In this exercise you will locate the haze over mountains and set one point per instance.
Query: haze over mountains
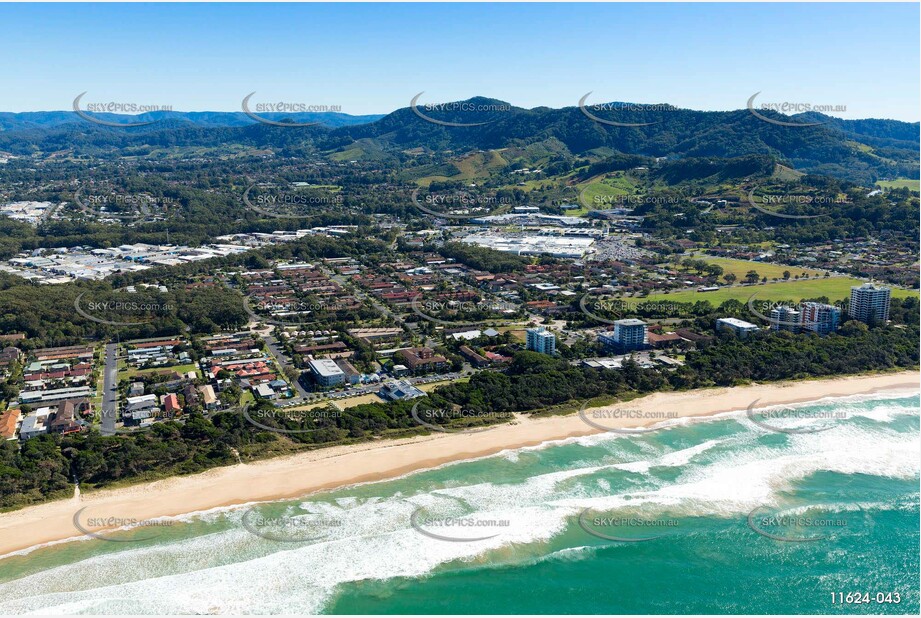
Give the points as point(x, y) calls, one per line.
point(860, 150)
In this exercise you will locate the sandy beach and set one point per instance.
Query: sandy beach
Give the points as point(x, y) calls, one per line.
point(301, 474)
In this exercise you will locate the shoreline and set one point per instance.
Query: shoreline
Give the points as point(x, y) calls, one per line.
point(328, 468)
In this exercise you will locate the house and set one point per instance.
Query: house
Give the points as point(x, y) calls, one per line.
point(171, 404)
point(65, 419)
point(141, 407)
point(264, 391)
point(9, 355)
point(34, 424)
point(9, 422)
point(190, 395)
point(209, 399)
point(140, 402)
point(136, 389)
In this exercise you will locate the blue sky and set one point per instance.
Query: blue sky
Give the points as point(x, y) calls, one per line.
point(372, 58)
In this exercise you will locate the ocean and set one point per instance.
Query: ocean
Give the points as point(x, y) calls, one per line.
point(809, 509)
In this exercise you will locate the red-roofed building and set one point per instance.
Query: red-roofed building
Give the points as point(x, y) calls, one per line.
point(171, 404)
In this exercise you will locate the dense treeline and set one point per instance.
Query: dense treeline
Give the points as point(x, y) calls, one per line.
point(49, 317)
point(532, 382)
point(668, 131)
point(484, 258)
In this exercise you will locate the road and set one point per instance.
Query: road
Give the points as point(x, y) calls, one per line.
point(282, 360)
point(109, 393)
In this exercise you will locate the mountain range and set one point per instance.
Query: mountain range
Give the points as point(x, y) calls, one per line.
point(859, 150)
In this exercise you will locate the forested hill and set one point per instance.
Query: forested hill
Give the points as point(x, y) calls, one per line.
point(863, 150)
point(24, 121)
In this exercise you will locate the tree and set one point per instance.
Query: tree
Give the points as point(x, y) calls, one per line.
point(786, 275)
point(752, 276)
point(730, 278)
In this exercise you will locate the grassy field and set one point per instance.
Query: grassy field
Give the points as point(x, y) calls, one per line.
point(764, 269)
point(603, 194)
point(130, 373)
point(428, 388)
point(898, 183)
point(474, 167)
point(835, 288)
point(782, 172)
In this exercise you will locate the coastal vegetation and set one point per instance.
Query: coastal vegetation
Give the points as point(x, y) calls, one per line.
point(45, 467)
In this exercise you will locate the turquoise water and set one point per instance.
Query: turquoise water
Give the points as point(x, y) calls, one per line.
point(715, 516)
